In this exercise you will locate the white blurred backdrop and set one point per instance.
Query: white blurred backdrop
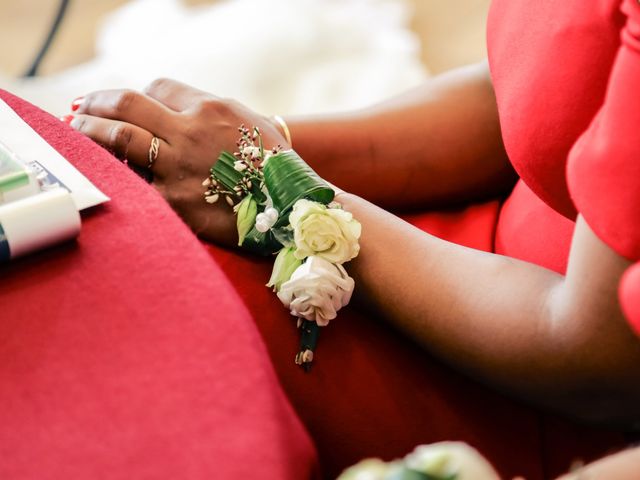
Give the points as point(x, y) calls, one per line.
point(277, 56)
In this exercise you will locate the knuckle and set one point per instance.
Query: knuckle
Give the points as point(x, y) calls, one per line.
point(210, 113)
point(231, 103)
point(158, 85)
point(120, 137)
point(213, 107)
point(124, 100)
point(79, 123)
point(86, 105)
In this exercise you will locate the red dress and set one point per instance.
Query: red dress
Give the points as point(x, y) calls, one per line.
point(132, 355)
point(566, 76)
point(563, 72)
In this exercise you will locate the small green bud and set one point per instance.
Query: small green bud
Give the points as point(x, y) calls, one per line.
point(286, 263)
point(247, 211)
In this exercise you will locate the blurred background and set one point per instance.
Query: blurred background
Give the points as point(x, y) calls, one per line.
point(278, 56)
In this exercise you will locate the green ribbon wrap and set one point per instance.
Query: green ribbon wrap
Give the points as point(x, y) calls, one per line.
point(289, 179)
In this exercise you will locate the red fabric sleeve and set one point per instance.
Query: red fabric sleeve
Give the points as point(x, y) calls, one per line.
point(604, 165)
point(603, 171)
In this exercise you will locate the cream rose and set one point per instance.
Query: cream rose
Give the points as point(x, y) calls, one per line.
point(317, 290)
point(330, 233)
point(444, 460)
point(450, 459)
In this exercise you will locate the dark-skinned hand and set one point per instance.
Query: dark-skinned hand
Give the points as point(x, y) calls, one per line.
point(193, 128)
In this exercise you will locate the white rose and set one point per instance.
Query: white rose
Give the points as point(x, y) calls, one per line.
point(325, 232)
point(317, 290)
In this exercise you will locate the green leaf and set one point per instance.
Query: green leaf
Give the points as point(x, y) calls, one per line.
point(224, 172)
point(289, 179)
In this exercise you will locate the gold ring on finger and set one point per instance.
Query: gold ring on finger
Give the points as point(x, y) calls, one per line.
point(153, 151)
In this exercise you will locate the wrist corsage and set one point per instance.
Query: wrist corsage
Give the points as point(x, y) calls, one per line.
point(284, 208)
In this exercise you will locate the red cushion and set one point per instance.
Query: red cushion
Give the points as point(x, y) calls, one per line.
point(128, 354)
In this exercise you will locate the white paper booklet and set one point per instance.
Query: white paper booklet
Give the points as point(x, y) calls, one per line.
point(41, 193)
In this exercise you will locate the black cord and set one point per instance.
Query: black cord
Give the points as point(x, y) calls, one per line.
point(33, 70)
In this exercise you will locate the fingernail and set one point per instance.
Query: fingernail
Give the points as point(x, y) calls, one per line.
point(66, 119)
point(75, 105)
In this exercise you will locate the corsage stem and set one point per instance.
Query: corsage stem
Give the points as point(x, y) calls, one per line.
point(310, 332)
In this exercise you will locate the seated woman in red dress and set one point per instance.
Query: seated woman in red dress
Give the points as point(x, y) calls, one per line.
point(551, 123)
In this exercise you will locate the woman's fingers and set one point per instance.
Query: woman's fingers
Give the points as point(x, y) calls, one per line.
point(131, 107)
point(127, 141)
point(174, 95)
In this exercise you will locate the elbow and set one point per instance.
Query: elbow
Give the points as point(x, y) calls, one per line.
point(598, 362)
point(602, 380)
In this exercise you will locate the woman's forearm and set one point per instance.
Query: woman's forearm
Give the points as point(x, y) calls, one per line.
point(439, 144)
point(558, 341)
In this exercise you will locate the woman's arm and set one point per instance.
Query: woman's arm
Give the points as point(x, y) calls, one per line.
point(439, 144)
point(561, 342)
